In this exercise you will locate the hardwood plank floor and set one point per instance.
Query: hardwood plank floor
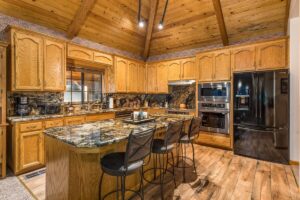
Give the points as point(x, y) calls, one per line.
point(220, 175)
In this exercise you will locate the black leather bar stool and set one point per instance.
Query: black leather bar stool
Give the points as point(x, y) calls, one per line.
point(185, 139)
point(122, 164)
point(160, 148)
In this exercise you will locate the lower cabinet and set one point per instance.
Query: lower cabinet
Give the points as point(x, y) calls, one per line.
point(214, 139)
point(31, 150)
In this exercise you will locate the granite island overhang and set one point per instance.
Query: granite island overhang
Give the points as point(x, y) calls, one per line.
point(73, 155)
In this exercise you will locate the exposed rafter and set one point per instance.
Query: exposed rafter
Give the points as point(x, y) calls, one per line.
point(220, 18)
point(152, 14)
point(80, 17)
point(287, 15)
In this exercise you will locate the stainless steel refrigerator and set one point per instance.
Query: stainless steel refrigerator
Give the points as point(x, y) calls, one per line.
point(261, 115)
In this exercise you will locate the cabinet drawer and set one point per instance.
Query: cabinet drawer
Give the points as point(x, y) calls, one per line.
point(99, 117)
point(214, 139)
point(74, 120)
point(54, 123)
point(34, 126)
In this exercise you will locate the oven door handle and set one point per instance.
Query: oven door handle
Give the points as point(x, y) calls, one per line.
point(214, 111)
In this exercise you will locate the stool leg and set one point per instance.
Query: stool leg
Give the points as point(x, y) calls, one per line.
point(173, 163)
point(161, 178)
point(100, 188)
point(117, 189)
point(194, 157)
point(141, 183)
point(178, 152)
point(123, 186)
point(184, 162)
point(167, 163)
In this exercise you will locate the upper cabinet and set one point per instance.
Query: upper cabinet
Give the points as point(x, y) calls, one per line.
point(80, 53)
point(142, 74)
point(271, 55)
point(121, 67)
point(38, 63)
point(205, 64)
point(27, 61)
point(132, 76)
point(162, 78)
point(174, 70)
point(262, 56)
point(188, 69)
point(151, 78)
point(243, 58)
point(222, 70)
point(84, 54)
point(54, 65)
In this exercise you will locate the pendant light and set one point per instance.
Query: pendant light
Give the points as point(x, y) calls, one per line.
point(161, 23)
point(140, 20)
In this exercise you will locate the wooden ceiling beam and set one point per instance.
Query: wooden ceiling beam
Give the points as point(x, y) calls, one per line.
point(80, 17)
point(151, 19)
point(221, 22)
point(287, 16)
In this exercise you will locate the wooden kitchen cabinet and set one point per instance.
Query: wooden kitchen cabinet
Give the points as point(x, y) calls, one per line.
point(74, 120)
point(142, 88)
point(162, 78)
point(271, 55)
point(103, 58)
point(54, 65)
point(132, 76)
point(99, 117)
point(27, 62)
point(151, 78)
point(188, 69)
point(80, 53)
point(121, 66)
point(174, 70)
point(222, 66)
point(243, 59)
point(205, 65)
point(31, 150)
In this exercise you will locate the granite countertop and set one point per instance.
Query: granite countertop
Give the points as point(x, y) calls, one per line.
point(14, 119)
point(101, 133)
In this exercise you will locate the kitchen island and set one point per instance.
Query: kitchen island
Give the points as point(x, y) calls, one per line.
point(73, 156)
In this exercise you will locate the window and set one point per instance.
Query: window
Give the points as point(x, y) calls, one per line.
point(83, 86)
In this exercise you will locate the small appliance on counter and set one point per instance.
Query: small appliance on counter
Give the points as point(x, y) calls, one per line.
point(111, 103)
point(22, 107)
point(138, 117)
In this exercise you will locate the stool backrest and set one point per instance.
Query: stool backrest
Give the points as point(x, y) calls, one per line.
point(139, 146)
point(194, 126)
point(173, 133)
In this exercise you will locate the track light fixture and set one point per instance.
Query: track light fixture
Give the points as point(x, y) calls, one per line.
point(161, 23)
point(140, 20)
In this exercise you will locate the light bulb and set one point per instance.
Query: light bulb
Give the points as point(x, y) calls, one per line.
point(160, 26)
point(141, 24)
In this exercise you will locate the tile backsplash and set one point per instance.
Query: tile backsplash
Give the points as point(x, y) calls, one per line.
point(177, 96)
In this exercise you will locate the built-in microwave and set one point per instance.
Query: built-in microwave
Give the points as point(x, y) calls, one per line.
point(214, 92)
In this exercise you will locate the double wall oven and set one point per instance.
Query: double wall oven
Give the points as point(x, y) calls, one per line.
point(214, 106)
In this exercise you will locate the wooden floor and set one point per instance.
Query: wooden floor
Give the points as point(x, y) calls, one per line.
point(221, 175)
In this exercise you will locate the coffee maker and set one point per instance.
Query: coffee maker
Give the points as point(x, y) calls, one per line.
point(21, 106)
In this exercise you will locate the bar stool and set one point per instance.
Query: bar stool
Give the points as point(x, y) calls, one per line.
point(162, 147)
point(122, 164)
point(186, 139)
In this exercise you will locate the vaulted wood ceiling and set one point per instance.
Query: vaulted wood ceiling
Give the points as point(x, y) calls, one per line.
point(188, 24)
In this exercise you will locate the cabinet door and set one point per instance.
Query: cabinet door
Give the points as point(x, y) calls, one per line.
point(205, 65)
point(31, 149)
point(121, 66)
point(271, 55)
point(28, 62)
point(243, 59)
point(174, 70)
point(151, 78)
point(132, 76)
point(142, 78)
point(222, 66)
point(103, 58)
point(188, 67)
point(54, 65)
point(80, 53)
point(162, 78)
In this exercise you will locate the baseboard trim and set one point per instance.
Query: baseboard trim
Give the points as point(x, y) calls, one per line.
point(293, 162)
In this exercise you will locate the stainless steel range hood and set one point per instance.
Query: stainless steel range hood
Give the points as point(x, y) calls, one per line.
point(182, 82)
